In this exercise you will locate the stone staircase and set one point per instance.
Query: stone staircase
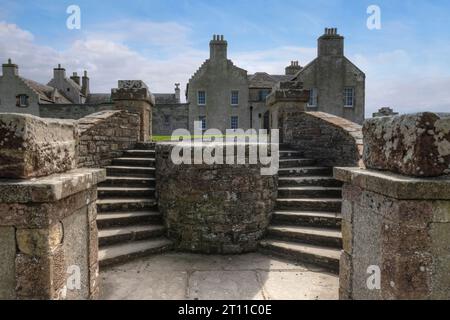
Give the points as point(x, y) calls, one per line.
point(307, 220)
point(128, 220)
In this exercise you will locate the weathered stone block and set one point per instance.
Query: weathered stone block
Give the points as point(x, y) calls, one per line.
point(40, 277)
point(345, 277)
point(35, 147)
point(39, 242)
point(7, 263)
point(415, 145)
point(400, 229)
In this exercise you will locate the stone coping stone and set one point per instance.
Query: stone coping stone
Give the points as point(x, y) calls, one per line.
point(32, 147)
point(394, 185)
point(412, 144)
point(51, 188)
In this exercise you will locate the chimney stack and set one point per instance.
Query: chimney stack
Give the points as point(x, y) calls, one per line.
point(59, 73)
point(293, 69)
point(10, 69)
point(218, 48)
point(177, 92)
point(331, 43)
point(76, 78)
point(85, 84)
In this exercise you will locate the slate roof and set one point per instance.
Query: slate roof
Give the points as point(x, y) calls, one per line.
point(45, 92)
point(265, 80)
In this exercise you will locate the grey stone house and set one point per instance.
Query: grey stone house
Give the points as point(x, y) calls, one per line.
point(219, 95)
point(21, 95)
point(223, 96)
point(337, 86)
point(62, 97)
point(218, 92)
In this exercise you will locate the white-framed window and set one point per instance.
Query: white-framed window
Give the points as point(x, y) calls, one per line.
point(234, 122)
point(201, 97)
point(234, 98)
point(349, 97)
point(22, 100)
point(263, 94)
point(202, 120)
point(312, 98)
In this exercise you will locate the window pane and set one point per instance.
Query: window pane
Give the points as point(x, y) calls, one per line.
point(201, 97)
point(263, 94)
point(234, 98)
point(313, 97)
point(234, 122)
point(202, 119)
point(349, 97)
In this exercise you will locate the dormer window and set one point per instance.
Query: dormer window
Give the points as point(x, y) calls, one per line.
point(22, 101)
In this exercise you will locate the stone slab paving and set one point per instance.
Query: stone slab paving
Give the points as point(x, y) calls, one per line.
point(182, 276)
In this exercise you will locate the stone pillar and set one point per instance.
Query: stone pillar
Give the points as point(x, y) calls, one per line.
point(287, 97)
point(396, 226)
point(48, 233)
point(134, 96)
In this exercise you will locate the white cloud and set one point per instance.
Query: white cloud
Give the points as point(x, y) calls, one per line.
point(395, 80)
point(108, 57)
point(273, 61)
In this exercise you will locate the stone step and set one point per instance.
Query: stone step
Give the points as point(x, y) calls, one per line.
point(120, 253)
point(126, 204)
point(309, 192)
point(128, 182)
point(134, 162)
point(285, 154)
point(310, 235)
point(133, 192)
point(145, 146)
point(289, 163)
point(130, 233)
point(327, 258)
point(139, 153)
point(115, 219)
point(306, 218)
point(124, 171)
point(305, 171)
point(324, 181)
point(307, 204)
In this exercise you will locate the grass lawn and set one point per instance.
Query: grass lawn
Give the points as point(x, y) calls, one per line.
point(168, 138)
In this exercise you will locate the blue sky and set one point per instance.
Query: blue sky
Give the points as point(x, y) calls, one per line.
point(164, 41)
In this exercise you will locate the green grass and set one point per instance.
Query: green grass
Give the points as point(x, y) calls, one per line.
point(168, 138)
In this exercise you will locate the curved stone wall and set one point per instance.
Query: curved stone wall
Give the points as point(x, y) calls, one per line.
point(219, 208)
point(104, 135)
point(331, 140)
